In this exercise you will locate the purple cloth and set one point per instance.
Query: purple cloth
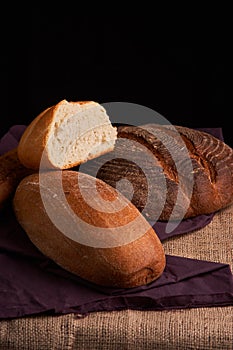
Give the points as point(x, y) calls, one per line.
point(32, 284)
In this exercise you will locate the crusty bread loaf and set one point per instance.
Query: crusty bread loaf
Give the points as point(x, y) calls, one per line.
point(103, 239)
point(66, 134)
point(11, 173)
point(149, 157)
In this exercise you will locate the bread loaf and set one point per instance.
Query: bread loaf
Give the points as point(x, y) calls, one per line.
point(11, 173)
point(65, 135)
point(149, 157)
point(88, 228)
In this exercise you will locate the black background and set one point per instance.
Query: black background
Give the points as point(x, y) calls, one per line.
point(105, 59)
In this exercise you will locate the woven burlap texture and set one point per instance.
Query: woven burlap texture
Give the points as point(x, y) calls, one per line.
point(197, 329)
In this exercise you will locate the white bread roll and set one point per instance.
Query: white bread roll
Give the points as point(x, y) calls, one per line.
point(111, 245)
point(66, 135)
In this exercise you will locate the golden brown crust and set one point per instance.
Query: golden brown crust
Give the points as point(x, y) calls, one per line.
point(34, 139)
point(129, 265)
point(11, 173)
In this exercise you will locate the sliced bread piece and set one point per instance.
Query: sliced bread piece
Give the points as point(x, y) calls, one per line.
point(66, 135)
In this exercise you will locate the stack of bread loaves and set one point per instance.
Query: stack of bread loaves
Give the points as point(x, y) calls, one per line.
point(80, 220)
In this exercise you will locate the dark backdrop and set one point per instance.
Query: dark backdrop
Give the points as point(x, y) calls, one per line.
point(107, 59)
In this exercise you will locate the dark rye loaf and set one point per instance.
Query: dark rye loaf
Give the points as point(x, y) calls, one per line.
point(148, 160)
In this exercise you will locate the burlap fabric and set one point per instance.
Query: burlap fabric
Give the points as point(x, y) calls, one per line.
point(200, 328)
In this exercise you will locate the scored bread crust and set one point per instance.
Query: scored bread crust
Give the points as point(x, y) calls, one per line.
point(37, 140)
point(136, 263)
point(205, 184)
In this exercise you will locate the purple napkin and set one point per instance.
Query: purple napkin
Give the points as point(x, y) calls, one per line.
point(32, 284)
